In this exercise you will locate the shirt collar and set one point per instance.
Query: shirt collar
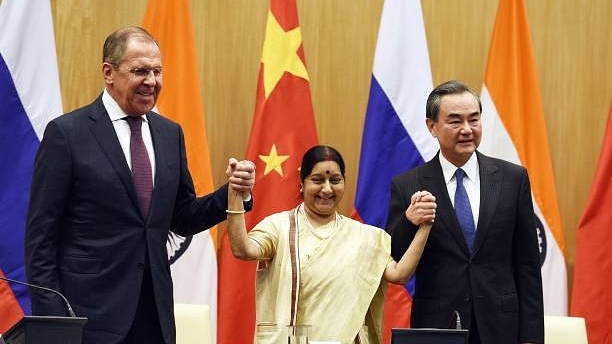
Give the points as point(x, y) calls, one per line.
point(114, 110)
point(470, 168)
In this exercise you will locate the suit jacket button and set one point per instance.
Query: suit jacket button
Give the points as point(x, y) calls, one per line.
point(467, 299)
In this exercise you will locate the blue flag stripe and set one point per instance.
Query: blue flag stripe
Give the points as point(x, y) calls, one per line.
point(29, 98)
point(387, 150)
point(18, 145)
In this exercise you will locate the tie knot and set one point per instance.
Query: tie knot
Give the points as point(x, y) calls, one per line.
point(135, 123)
point(459, 174)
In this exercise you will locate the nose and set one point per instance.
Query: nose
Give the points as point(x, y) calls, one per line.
point(327, 186)
point(150, 78)
point(465, 127)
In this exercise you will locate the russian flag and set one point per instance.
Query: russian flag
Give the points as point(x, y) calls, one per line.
point(395, 137)
point(29, 99)
point(514, 130)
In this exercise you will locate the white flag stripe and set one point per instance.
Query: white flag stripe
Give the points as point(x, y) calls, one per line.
point(30, 68)
point(495, 138)
point(410, 43)
point(554, 276)
point(195, 276)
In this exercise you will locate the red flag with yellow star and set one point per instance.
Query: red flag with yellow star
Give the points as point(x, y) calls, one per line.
point(283, 129)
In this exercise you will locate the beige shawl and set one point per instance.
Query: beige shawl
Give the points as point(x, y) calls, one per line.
point(340, 280)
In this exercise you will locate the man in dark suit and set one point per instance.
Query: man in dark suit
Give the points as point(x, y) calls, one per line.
point(482, 256)
point(110, 181)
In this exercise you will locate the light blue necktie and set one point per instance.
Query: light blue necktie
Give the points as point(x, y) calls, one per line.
point(464, 210)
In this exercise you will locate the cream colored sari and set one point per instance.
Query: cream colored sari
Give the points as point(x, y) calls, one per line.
point(341, 266)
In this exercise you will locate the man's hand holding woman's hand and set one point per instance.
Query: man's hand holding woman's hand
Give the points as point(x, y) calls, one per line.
point(422, 208)
point(241, 176)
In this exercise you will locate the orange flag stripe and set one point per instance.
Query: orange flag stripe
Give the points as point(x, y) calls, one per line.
point(181, 98)
point(529, 136)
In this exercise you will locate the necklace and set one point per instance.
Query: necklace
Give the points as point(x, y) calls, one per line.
point(324, 231)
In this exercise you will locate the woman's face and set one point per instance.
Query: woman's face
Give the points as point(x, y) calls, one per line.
point(323, 189)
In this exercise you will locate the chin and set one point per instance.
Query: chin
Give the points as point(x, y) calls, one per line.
point(326, 209)
point(145, 109)
point(467, 150)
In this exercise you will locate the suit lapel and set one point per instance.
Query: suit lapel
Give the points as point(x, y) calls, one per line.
point(433, 180)
point(104, 132)
point(490, 195)
point(161, 142)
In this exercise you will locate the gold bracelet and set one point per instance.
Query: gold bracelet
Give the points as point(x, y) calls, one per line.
point(235, 211)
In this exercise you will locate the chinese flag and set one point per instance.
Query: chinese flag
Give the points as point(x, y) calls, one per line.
point(591, 297)
point(283, 129)
point(193, 260)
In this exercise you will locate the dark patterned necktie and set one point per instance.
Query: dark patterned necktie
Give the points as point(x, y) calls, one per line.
point(141, 165)
point(464, 210)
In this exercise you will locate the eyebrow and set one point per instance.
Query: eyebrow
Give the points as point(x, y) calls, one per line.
point(323, 175)
point(454, 114)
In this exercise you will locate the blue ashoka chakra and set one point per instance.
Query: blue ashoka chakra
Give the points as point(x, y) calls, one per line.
point(542, 243)
point(177, 245)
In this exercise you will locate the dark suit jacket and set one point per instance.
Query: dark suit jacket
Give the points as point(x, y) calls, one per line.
point(500, 281)
point(85, 234)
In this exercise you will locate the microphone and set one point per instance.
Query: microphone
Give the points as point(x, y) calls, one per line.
point(66, 303)
point(457, 320)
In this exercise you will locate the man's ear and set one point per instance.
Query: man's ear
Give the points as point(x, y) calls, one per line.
point(430, 126)
point(108, 73)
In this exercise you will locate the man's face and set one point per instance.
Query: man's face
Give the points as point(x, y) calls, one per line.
point(135, 82)
point(458, 128)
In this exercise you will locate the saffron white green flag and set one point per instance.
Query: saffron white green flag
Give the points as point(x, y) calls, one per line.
point(514, 130)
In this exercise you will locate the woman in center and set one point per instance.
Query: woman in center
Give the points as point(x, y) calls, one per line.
point(337, 278)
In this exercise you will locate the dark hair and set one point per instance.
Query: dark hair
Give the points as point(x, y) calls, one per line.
point(317, 154)
point(116, 43)
point(450, 87)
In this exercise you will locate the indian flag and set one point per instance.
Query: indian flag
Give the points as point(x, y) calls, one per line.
point(193, 259)
point(514, 130)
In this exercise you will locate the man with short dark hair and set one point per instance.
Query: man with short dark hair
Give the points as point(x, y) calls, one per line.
point(482, 257)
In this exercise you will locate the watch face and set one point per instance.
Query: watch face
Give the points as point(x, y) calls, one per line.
point(176, 245)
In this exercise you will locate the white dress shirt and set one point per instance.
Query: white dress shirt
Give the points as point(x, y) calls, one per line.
point(471, 182)
point(122, 129)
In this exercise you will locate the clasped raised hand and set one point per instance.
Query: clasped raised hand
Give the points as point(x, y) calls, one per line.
point(422, 208)
point(241, 176)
